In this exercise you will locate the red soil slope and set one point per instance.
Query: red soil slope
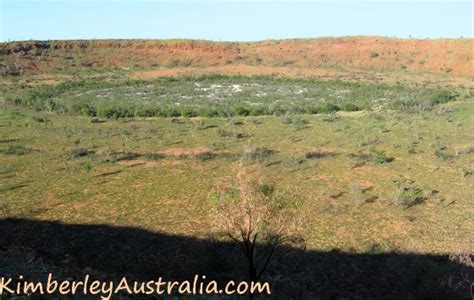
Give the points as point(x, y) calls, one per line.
point(448, 56)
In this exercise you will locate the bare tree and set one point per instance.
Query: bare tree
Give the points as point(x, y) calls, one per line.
point(258, 219)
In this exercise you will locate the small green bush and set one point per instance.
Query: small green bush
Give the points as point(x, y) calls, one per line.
point(348, 106)
point(328, 108)
point(258, 111)
point(407, 194)
point(208, 112)
point(267, 189)
point(188, 112)
point(40, 119)
point(441, 96)
point(379, 158)
point(241, 111)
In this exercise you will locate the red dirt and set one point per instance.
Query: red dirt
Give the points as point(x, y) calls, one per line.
point(448, 56)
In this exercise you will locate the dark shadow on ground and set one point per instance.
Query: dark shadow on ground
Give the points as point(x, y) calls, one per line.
point(34, 248)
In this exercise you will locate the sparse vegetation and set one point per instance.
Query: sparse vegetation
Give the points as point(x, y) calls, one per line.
point(137, 159)
point(407, 194)
point(358, 194)
point(16, 150)
point(81, 152)
point(205, 156)
point(379, 157)
point(192, 97)
point(257, 153)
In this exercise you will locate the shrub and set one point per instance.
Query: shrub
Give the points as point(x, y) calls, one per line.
point(115, 111)
point(129, 156)
point(328, 108)
point(83, 109)
point(379, 158)
point(10, 69)
point(287, 119)
point(176, 121)
point(257, 220)
point(258, 111)
point(16, 150)
point(409, 98)
point(312, 110)
point(314, 154)
point(208, 112)
point(238, 122)
point(228, 112)
point(40, 119)
point(295, 109)
point(295, 120)
point(463, 258)
point(411, 148)
point(110, 158)
point(276, 109)
point(441, 96)
point(331, 117)
point(203, 156)
point(241, 111)
point(88, 111)
point(80, 152)
point(17, 101)
point(146, 111)
point(466, 150)
point(357, 192)
point(257, 153)
point(465, 172)
point(441, 155)
point(368, 141)
point(373, 54)
point(267, 189)
point(189, 112)
point(170, 112)
point(407, 194)
point(155, 156)
point(348, 106)
point(62, 109)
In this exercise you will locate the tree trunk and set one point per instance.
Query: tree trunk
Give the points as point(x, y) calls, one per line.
point(252, 271)
point(252, 276)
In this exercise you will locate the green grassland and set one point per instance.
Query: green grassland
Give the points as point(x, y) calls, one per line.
point(346, 168)
point(224, 96)
point(371, 168)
